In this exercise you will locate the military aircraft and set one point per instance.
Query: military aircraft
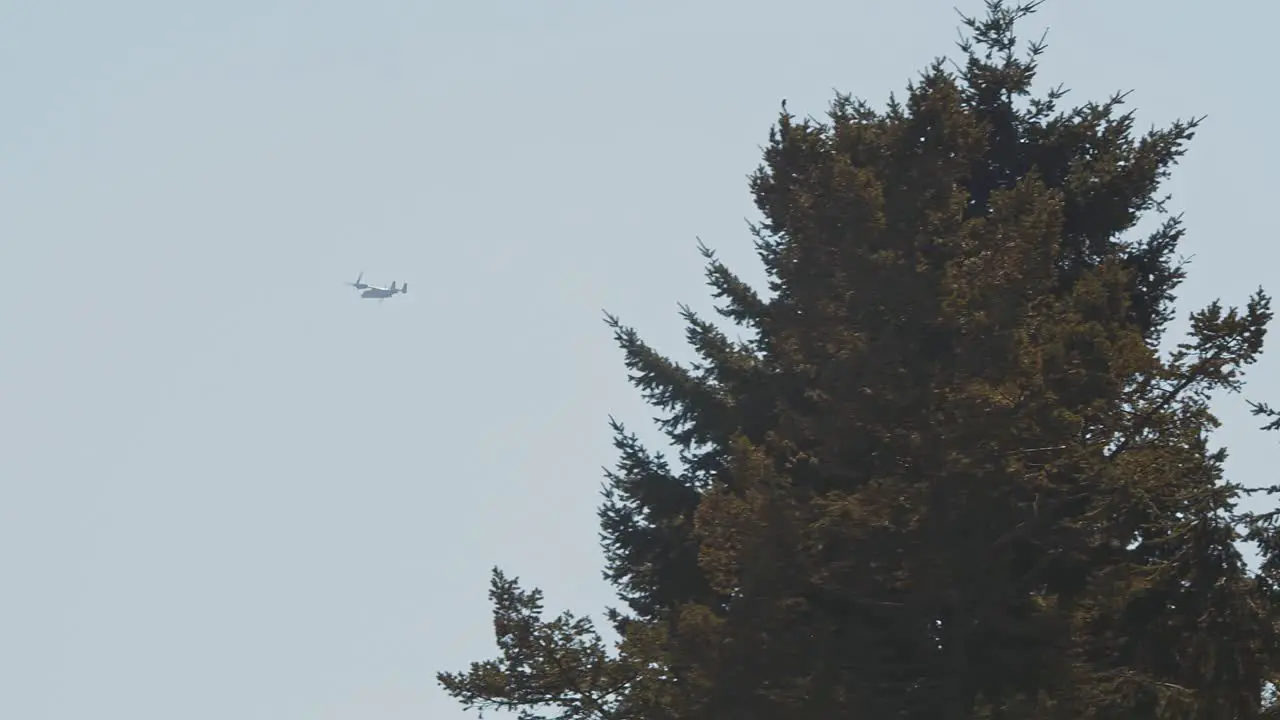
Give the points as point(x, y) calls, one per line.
point(381, 293)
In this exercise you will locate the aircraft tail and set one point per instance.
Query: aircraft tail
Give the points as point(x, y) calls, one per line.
point(393, 287)
point(404, 288)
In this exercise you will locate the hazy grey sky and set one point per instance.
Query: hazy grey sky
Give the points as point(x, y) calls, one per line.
point(231, 489)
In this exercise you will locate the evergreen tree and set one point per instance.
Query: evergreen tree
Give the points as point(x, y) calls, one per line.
point(951, 474)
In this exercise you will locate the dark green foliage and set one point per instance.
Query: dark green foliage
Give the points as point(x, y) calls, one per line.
point(560, 663)
point(950, 474)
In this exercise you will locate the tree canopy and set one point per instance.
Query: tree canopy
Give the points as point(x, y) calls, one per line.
point(951, 472)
